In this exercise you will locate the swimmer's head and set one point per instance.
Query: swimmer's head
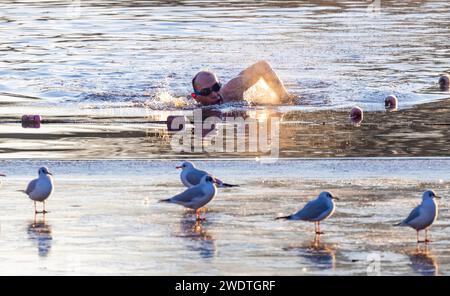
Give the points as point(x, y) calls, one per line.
point(206, 88)
point(444, 81)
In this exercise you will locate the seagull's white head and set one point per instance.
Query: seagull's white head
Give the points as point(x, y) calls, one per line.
point(429, 194)
point(327, 195)
point(186, 165)
point(44, 171)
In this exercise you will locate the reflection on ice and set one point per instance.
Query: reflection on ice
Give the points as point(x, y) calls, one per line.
point(319, 255)
point(41, 233)
point(199, 239)
point(424, 262)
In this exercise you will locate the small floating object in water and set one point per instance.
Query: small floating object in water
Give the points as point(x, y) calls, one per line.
point(31, 121)
point(356, 115)
point(444, 81)
point(391, 103)
point(174, 123)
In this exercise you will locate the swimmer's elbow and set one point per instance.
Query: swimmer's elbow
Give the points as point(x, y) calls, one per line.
point(263, 63)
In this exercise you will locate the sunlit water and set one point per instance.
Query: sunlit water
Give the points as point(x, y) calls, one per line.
point(104, 219)
point(334, 54)
point(100, 61)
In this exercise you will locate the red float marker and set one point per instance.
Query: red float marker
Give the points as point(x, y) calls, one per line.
point(356, 115)
point(31, 121)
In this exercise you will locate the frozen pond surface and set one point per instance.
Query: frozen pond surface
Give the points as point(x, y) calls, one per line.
point(104, 219)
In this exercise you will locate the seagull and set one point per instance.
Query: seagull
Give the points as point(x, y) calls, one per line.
point(191, 176)
point(316, 210)
point(197, 196)
point(422, 216)
point(40, 189)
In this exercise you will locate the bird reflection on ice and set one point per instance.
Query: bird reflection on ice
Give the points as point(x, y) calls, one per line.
point(320, 255)
point(424, 262)
point(199, 239)
point(40, 232)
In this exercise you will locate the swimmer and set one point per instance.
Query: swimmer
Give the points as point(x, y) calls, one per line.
point(209, 91)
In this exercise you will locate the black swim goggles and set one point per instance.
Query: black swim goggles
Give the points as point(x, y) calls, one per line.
point(207, 91)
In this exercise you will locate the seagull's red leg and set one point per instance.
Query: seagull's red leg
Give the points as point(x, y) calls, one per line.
point(35, 211)
point(426, 236)
point(418, 236)
point(318, 228)
point(197, 214)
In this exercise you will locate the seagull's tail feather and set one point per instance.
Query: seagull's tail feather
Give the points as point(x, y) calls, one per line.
point(399, 224)
point(284, 217)
point(165, 200)
point(228, 185)
point(23, 191)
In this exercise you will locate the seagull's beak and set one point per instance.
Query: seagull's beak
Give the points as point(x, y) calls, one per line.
point(2, 175)
point(437, 197)
point(335, 198)
point(179, 167)
point(48, 173)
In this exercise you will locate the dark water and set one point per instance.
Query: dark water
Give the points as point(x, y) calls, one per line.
point(123, 134)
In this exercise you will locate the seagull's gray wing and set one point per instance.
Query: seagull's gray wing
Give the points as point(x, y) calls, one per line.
point(188, 195)
point(195, 176)
point(31, 186)
point(312, 210)
point(413, 215)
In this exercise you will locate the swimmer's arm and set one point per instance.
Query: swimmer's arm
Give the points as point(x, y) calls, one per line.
point(236, 87)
